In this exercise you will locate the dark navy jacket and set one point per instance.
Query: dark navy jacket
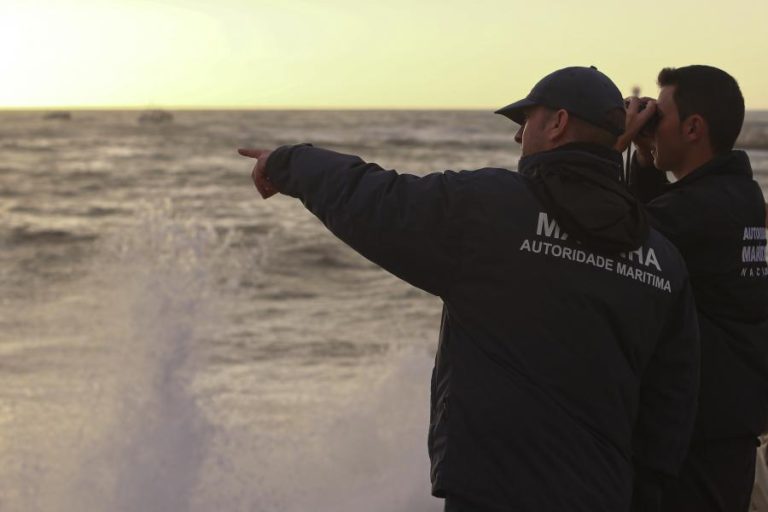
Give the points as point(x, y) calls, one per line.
point(555, 363)
point(716, 218)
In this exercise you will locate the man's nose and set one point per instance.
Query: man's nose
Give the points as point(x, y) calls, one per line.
point(519, 134)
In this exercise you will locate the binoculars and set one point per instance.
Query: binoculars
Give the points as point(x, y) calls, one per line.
point(650, 126)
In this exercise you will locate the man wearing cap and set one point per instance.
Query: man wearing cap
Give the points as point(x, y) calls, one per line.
point(568, 340)
point(714, 213)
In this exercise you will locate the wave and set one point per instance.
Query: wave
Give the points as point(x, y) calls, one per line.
point(36, 145)
point(100, 211)
point(321, 255)
point(26, 236)
point(307, 352)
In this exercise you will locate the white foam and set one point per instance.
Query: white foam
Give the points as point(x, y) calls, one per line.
point(148, 441)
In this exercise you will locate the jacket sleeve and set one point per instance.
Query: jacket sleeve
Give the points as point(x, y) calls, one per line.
point(668, 392)
point(646, 183)
point(404, 223)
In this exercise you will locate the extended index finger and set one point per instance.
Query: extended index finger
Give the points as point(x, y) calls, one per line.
point(252, 153)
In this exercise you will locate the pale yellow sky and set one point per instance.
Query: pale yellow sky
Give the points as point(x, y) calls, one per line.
point(358, 54)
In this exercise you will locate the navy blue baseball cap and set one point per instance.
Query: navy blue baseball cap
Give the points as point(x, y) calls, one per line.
point(584, 92)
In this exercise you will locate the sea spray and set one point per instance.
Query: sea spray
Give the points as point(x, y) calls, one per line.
point(147, 437)
point(165, 426)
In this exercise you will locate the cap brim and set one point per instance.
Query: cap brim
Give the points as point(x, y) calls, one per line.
point(516, 111)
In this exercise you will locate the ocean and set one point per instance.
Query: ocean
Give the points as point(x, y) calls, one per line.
point(171, 342)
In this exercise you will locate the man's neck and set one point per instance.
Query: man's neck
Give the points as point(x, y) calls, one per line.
point(693, 162)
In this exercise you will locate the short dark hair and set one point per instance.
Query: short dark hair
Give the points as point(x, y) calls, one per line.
point(584, 131)
point(714, 95)
point(588, 132)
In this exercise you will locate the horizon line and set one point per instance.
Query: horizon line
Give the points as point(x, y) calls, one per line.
point(201, 108)
point(30, 108)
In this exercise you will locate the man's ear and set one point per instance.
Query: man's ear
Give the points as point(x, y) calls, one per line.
point(558, 124)
point(695, 129)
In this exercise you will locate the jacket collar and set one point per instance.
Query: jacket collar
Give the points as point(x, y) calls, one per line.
point(601, 159)
point(734, 162)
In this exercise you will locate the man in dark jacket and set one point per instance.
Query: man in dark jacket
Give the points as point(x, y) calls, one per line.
point(714, 213)
point(568, 341)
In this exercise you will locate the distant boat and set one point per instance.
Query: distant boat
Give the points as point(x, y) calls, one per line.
point(155, 117)
point(58, 115)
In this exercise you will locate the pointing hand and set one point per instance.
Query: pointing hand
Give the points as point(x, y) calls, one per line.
point(260, 179)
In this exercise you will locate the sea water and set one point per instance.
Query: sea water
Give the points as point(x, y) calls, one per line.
point(170, 342)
